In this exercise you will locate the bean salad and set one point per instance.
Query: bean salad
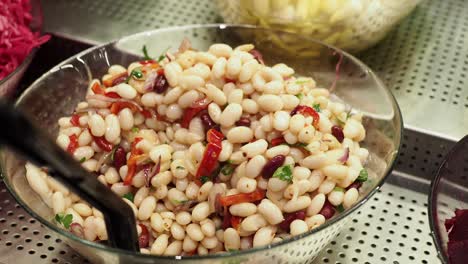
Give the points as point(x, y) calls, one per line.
point(213, 150)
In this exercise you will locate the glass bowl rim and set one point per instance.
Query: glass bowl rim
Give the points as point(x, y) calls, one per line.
point(341, 216)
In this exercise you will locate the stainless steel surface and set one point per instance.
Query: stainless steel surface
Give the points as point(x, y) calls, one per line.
point(424, 61)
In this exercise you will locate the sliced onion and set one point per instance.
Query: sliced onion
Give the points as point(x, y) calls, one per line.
point(185, 206)
point(184, 45)
point(150, 81)
point(345, 156)
point(149, 174)
point(216, 191)
point(113, 100)
point(201, 103)
point(104, 159)
point(77, 230)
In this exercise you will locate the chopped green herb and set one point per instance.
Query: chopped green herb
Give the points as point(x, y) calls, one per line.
point(284, 173)
point(300, 96)
point(163, 55)
point(83, 159)
point(302, 81)
point(340, 208)
point(180, 168)
point(136, 73)
point(348, 114)
point(204, 179)
point(128, 196)
point(340, 122)
point(316, 107)
point(363, 175)
point(227, 169)
point(178, 202)
point(338, 189)
point(64, 220)
point(145, 53)
point(135, 129)
point(298, 145)
point(232, 250)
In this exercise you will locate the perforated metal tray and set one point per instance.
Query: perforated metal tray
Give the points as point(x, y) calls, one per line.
point(423, 61)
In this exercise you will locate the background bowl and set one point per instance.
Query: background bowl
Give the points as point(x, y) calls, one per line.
point(59, 90)
point(352, 25)
point(449, 191)
point(11, 81)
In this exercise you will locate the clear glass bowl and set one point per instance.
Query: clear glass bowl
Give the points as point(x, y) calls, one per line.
point(449, 191)
point(57, 92)
point(11, 81)
point(352, 25)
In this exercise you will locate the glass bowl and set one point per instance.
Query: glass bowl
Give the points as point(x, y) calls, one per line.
point(11, 81)
point(449, 191)
point(352, 25)
point(58, 91)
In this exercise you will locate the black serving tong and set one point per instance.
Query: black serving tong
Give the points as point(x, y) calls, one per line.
point(19, 134)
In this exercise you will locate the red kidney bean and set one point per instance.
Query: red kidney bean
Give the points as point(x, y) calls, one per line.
point(207, 122)
point(257, 55)
point(288, 218)
point(244, 121)
point(143, 239)
point(272, 165)
point(328, 210)
point(355, 184)
point(77, 230)
point(161, 84)
point(337, 132)
point(120, 157)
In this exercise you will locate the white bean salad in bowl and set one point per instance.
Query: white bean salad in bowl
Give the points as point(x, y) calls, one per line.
point(213, 150)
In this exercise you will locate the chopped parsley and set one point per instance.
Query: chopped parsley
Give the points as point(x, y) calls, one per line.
point(128, 196)
point(300, 96)
point(363, 175)
point(338, 189)
point(298, 145)
point(83, 159)
point(135, 129)
point(145, 53)
point(316, 107)
point(204, 179)
point(302, 81)
point(136, 73)
point(179, 202)
point(340, 122)
point(227, 169)
point(64, 219)
point(180, 168)
point(340, 208)
point(284, 173)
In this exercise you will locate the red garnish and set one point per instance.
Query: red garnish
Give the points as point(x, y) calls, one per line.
point(307, 111)
point(103, 143)
point(118, 106)
point(119, 78)
point(243, 121)
point(211, 154)
point(144, 62)
point(112, 95)
point(328, 210)
point(150, 173)
point(257, 55)
point(73, 145)
point(288, 218)
point(235, 221)
point(227, 80)
point(119, 157)
point(337, 132)
point(77, 230)
point(191, 112)
point(132, 161)
point(143, 239)
point(229, 200)
point(226, 219)
point(97, 89)
point(277, 141)
point(75, 120)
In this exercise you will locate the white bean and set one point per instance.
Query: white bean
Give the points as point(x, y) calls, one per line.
point(230, 115)
point(194, 232)
point(254, 166)
point(125, 91)
point(243, 209)
point(240, 134)
point(270, 211)
point(97, 125)
point(219, 68)
point(335, 197)
point(231, 239)
point(112, 128)
point(300, 203)
point(270, 102)
point(264, 236)
point(316, 204)
point(298, 227)
point(201, 211)
point(160, 244)
point(233, 67)
point(255, 148)
point(350, 198)
point(147, 207)
point(126, 120)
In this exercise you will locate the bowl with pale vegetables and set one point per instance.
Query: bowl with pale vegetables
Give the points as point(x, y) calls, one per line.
point(225, 148)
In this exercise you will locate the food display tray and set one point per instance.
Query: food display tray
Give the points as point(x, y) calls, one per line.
point(423, 61)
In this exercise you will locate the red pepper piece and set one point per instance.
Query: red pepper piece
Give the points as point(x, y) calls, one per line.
point(75, 120)
point(288, 218)
point(307, 111)
point(143, 239)
point(192, 111)
point(226, 219)
point(119, 78)
point(214, 136)
point(144, 62)
point(112, 95)
point(209, 161)
point(103, 143)
point(132, 161)
point(118, 106)
point(97, 89)
point(73, 145)
point(227, 80)
point(277, 141)
point(229, 200)
point(235, 221)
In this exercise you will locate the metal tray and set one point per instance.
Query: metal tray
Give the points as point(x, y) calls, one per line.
point(423, 61)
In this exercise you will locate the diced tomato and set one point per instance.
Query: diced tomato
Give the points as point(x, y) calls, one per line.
point(75, 120)
point(277, 141)
point(103, 144)
point(192, 111)
point(229, 200)
point(97, 89)
point(118, 106)
point(135, 154)
point(146, 113)
point(73, 145)
point(307, 111)
point(144, 62)
point(235, 221)
point(112, 95)
point(116, 79)
point(160, 71)
point(143, 239)
point(214, 136)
